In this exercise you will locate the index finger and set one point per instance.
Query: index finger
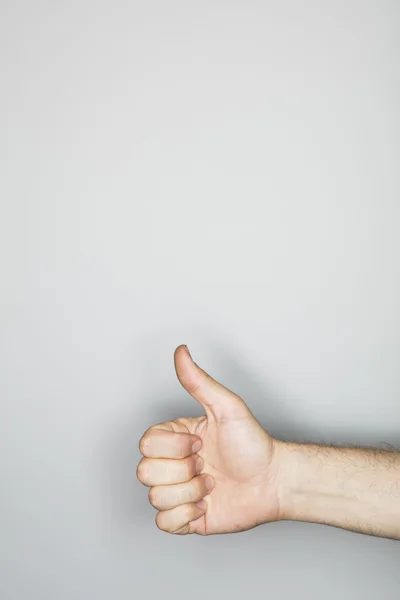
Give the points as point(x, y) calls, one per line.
point(161, 443)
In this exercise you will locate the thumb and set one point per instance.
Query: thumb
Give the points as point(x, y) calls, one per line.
point(213, 396)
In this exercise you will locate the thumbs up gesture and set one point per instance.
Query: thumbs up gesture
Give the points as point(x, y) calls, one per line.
point(216, 473)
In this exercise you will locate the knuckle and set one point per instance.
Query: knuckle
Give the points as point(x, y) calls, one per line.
point(141, 471)
point(153, 497)
point(160, 522)
point(146, 439)
point(144, 444)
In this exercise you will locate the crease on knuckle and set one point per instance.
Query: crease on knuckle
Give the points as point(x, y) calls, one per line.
point(144, 444)
point(159, 520)
point(153, 497)
point(141, 471)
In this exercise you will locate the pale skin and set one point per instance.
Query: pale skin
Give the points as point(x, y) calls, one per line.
point(223, 473)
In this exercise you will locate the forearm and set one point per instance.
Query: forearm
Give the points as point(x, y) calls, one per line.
point(357, 489)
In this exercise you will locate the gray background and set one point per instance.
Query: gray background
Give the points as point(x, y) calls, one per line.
point(221, 174)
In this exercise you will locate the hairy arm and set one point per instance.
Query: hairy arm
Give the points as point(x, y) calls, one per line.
point(351, 488)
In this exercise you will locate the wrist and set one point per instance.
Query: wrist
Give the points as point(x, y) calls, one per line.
point(296, 472)
point(274, 500)
point(284, 483)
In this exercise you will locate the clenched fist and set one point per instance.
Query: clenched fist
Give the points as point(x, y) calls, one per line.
point(211, 474)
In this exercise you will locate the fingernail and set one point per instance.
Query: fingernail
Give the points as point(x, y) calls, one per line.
point(209, 483)
point(196, 446)
point(187, 350)
point(199, 464)
point(202, 504)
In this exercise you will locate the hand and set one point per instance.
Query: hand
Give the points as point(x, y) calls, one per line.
point(211, 474)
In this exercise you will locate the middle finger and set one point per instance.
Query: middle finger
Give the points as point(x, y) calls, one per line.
point(166, 471)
